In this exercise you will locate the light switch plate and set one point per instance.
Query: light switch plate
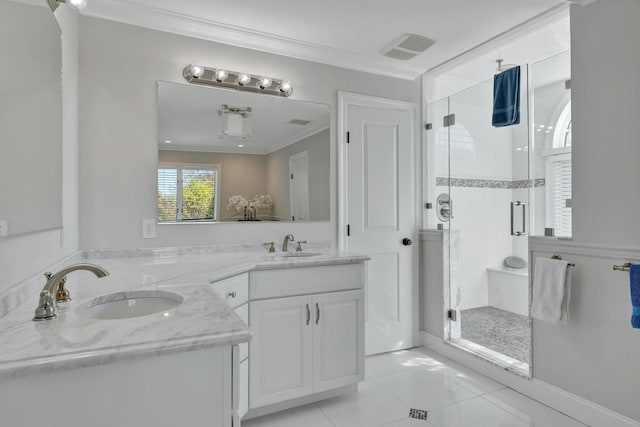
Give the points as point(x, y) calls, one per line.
point(149, 228)
point(4, 228)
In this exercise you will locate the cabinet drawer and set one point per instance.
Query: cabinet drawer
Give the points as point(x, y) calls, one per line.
point(305, 280)
point(234, 290)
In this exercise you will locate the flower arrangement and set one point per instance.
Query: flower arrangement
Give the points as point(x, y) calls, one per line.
point(237, 204)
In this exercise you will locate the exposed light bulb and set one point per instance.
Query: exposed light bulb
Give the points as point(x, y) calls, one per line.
point(196, 71)
point(221, 75)
point(79, 4)
point(244, 79)
point(285, 87)
point(264, 82)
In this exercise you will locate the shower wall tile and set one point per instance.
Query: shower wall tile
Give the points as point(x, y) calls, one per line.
point(489, 183)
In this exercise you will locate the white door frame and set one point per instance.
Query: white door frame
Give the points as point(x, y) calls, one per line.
point(349, 98)
point(292, 194)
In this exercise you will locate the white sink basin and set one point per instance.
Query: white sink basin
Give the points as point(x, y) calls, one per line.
point(295, 254)
point(124, 305)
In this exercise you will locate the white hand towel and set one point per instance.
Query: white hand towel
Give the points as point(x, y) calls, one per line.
point(551, 290)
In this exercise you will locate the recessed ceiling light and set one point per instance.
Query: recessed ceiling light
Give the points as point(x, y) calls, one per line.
point(167, 141)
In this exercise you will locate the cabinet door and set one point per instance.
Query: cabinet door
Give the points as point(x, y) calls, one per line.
point(280, 355)
point(338, 339)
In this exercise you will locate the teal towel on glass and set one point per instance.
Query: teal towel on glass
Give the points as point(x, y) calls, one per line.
point(506, 98)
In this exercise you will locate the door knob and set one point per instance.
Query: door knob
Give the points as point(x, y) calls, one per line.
point(406, 241)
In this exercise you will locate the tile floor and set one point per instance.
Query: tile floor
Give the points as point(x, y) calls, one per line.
point(453, 395)
point(499, 330)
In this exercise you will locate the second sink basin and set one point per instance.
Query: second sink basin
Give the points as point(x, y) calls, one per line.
point(295, 254)
point(124, 305)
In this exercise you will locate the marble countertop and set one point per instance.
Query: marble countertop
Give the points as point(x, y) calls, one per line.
point(202, 320)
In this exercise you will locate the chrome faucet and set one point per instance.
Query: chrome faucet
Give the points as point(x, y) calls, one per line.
point(285, 244)
point(47, 305)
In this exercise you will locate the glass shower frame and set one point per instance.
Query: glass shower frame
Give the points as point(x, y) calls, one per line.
point(468, 171)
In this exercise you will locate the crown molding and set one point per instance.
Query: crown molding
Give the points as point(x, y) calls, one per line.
point(187, 25)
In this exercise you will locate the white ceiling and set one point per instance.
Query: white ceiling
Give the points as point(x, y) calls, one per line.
point(347, 33)
point(188, 117)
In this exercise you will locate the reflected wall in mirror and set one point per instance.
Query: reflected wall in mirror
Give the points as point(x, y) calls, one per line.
point(233, 156)
point(30, 118)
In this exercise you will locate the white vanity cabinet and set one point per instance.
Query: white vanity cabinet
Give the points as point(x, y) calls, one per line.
point(308, 333)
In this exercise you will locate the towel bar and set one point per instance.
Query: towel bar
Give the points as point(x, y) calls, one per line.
point(556, 256)
point(624, 267)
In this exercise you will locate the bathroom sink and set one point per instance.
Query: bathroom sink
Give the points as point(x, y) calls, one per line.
point(124, 305)
point(295, 254)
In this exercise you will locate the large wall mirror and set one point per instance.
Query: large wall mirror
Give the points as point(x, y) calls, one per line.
point(234, 156)
point(30, 118)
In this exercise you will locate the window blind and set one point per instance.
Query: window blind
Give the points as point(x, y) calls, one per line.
point(560, 193)
point(167, 194)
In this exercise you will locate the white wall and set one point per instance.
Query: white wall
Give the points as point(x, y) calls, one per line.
point(606, 105)
point(22, 256)
point(120, 65)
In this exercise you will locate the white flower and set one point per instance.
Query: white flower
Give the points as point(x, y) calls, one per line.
point(237, 203)
point(262, 201)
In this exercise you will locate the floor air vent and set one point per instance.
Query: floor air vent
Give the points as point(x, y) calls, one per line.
point(418, 414)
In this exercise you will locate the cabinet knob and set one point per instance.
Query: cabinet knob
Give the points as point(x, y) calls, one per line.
point(407, 241)
point(232, 294)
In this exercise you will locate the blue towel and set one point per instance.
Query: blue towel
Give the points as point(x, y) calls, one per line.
point(634, 280)
point(506, 98)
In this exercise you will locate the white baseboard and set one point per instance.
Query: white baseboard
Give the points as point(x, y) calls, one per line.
point(576, 407)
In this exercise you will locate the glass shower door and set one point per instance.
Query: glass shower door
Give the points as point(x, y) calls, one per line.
point(488, 190)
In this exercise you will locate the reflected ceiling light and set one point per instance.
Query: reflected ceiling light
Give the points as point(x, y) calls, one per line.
point(78, 4)
point(235, 122)
point(198, 74)
point(168, 141)
point(240, 145)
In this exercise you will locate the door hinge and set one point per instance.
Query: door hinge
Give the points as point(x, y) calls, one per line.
point(428, 126)
point(449, 120)
point(348, 137)
point(452, 315)
point(348, 230)
point(291, 176)
point(293, 218)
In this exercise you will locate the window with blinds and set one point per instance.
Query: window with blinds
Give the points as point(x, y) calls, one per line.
point(187, 193)
point(560, 199)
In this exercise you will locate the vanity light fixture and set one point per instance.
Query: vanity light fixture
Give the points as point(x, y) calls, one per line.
point(198, 74)
point(78, 4)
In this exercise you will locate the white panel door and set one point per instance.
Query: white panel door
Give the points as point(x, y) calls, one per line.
point(299, 186)
point(338, 339)
point(280, 357)
point(381, 209)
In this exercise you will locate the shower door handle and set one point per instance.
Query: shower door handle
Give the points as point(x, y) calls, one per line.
point(524, 218)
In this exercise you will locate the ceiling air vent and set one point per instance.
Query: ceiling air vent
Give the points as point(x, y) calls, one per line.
point(407, 46)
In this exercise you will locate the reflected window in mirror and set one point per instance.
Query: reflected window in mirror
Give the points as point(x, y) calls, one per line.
point(188, 192)
point(279, 171)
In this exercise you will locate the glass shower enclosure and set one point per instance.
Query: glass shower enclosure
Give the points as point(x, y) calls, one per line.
point(478, 184)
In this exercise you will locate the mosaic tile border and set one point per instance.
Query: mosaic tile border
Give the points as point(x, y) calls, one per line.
point(489, 183)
